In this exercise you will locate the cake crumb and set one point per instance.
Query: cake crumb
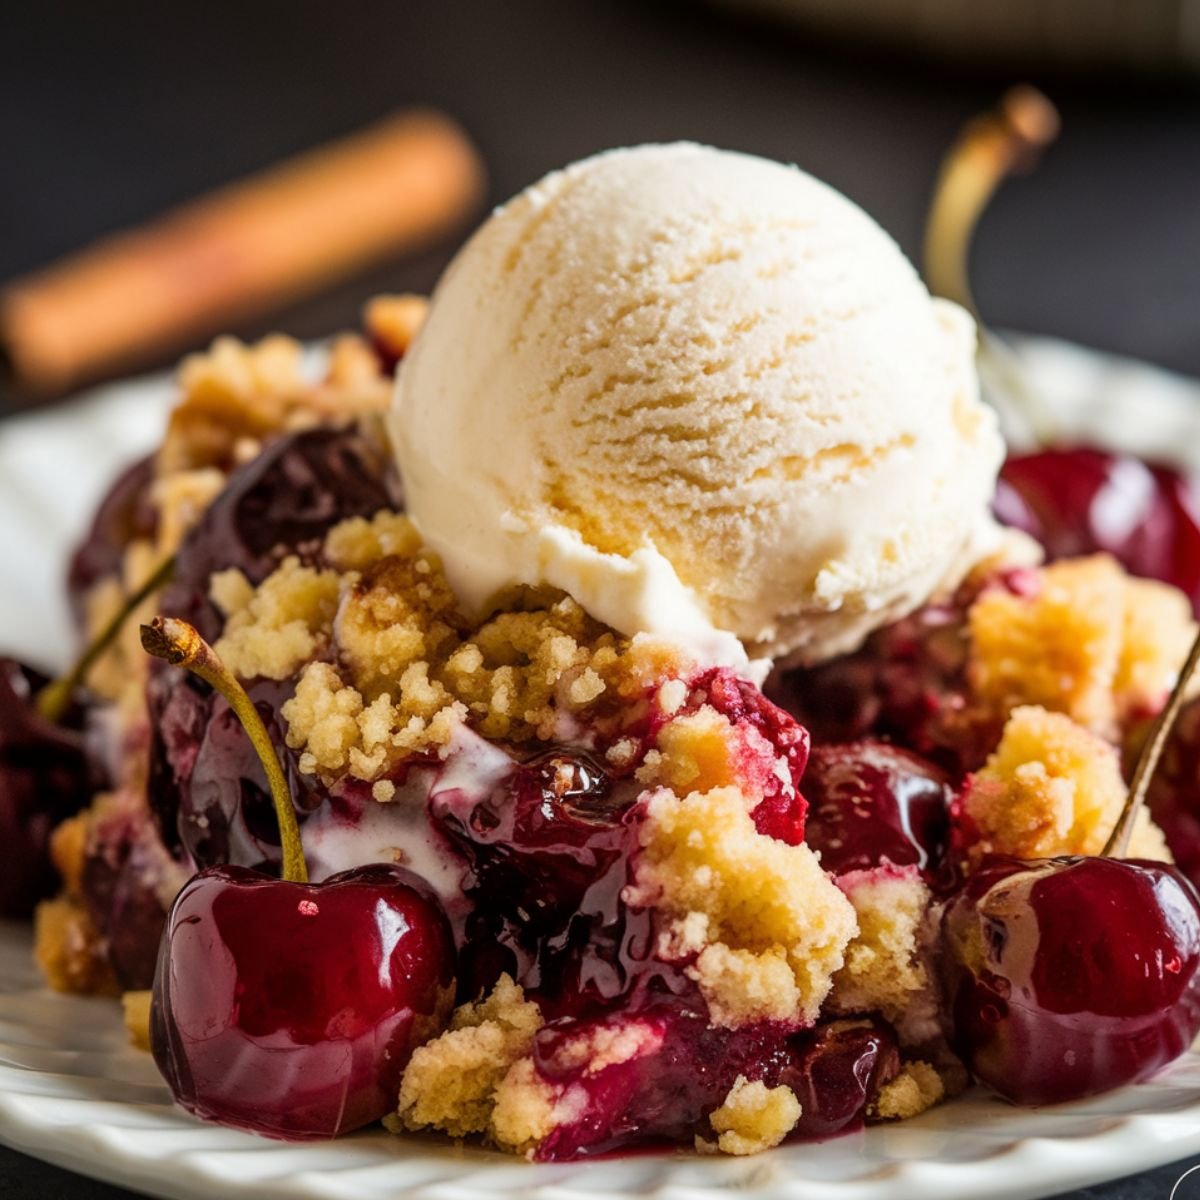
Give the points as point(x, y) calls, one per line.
point(706, 867)
point(135, 1010)
point(1050, 787)
point(753, 1118)
point(884, 970)
point(916, 1088)
point(68, 951)
point(450, 1082)
point(1088, 641)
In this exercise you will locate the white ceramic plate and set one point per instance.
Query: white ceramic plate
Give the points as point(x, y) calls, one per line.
point(73, 1092)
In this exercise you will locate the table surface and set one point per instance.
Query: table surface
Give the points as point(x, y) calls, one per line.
point(109, 113)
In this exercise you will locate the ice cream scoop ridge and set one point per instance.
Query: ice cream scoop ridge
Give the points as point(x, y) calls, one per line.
point(704, 394)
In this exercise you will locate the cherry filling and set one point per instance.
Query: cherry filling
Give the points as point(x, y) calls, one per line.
point(1174, 794)
point(547, 860)
point(281, 503)
point(206, 785)
point(680, 1068)
point(907, 683)
point(124, 514)
point(871, 802)
point(1071, 976)
point(1082, 500)
point(45, 776)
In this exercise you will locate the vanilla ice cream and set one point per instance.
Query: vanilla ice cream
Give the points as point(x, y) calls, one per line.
point(703, 393)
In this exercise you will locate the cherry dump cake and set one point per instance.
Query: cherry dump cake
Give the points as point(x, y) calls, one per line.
point(618, 718)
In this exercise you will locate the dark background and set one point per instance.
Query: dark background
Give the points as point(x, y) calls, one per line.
point(110, 112)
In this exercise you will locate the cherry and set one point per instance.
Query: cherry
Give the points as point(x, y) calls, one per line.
point(125, 513)
point(686, 1067)
point(1069, 976)
point(1081, 500)
point(292, 1010)
point(1174, 793)
point(871, 803)
point(282, 1007)
point(282, 502)
point(907, 683)
point(547, 855)
point(45, 777)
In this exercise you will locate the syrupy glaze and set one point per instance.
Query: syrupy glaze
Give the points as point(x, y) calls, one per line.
point(1068, 977)
point(871, 803)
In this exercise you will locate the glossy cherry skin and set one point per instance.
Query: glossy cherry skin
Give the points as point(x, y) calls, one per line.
point(1081, 500)
point(1174, 793)
point(291, 1010)
point(281, 503)
point(1072, 976)
point(871, 802)
point(45, 776)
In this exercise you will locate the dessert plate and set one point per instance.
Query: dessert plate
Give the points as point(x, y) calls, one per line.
point(74, 1092)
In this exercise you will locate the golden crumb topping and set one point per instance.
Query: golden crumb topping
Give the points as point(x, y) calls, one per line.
point(1090, 641)
point(450, 1083)
point(234, 395)
point(278, 626)
point(389, 668)
point(884, 970)
point(393, 321)
point(135, 1010)
point(916, 1088)
point(68, 951)
point(770, 926)
point(1051, 787)
point(752, 1118)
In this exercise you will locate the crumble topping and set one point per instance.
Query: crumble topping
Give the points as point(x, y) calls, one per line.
point(916, 1088)
point(387, 667)
point(884, 969)
point(451, 1082)
point(752, 1118)
point(393, 321)
point(1051, 787)
point(769, 926)
point(135, 1011)
point(1085, 639)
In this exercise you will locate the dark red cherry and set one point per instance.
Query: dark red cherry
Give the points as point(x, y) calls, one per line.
point(1081, 500)
point(45, 776)
point(869, 802)
point(685, 1066)
point(281, 503)
point(1174, 793)
point(292, 1009)
point(125, 513)
point(1068, 977)
point(907, 684)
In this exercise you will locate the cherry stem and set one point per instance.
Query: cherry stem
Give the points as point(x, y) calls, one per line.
point(1118, 843)
point(989, 149)
point(179, 644)
point(54, 699)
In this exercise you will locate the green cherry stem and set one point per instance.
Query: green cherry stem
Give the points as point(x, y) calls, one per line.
point(1118, 843)
point(179, 644)
point(54, 699)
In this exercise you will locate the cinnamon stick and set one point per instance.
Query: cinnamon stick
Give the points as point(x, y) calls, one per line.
point(239, 251)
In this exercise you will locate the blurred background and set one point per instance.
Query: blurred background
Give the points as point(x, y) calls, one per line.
point(111, 113)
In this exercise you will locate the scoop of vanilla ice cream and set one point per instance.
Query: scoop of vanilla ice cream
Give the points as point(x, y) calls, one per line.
point(703, 393)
